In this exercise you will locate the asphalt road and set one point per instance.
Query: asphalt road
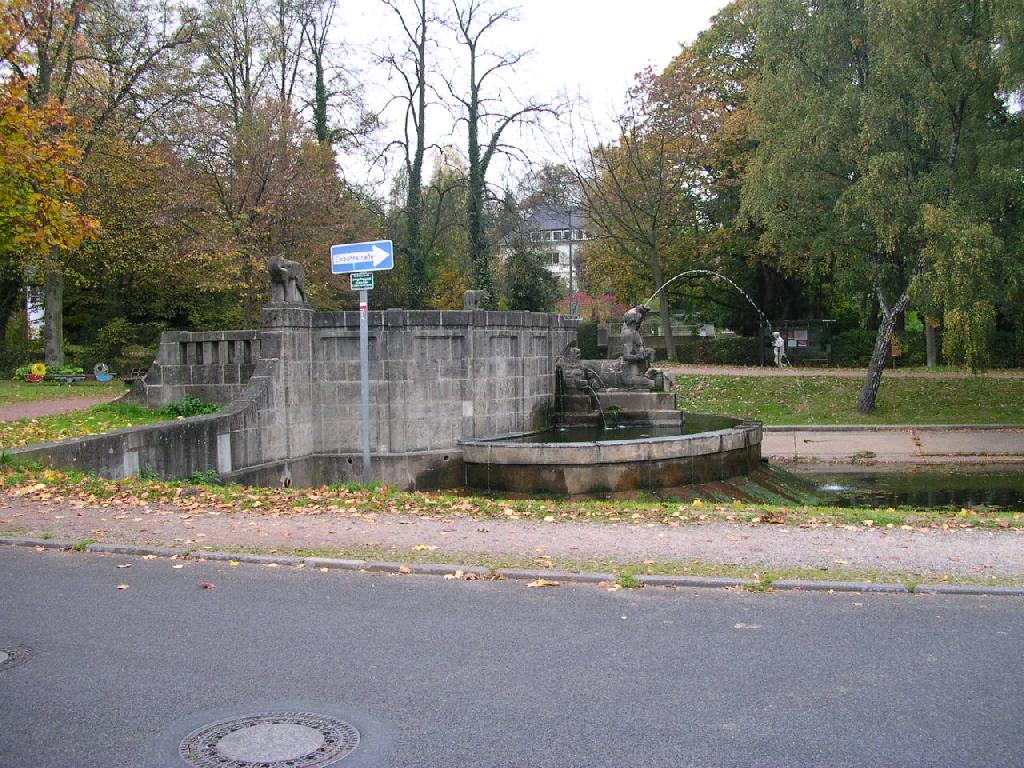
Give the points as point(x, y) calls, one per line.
point(446, 673)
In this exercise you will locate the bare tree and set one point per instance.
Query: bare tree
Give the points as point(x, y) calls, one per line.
point(288, 33)
point(638, 191)
point(317, 26)
point(485, 116)
point(233, 45)
point(410, 67)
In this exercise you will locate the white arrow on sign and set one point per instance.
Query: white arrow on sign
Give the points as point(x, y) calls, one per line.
point(374, 254)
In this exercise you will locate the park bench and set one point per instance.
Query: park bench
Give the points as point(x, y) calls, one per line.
point(65, 378)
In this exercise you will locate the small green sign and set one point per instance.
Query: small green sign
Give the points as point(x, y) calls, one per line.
point(362, 281)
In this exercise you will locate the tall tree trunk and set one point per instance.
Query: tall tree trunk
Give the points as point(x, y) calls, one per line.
point(418, 289)
point(10, 293)
point(320, 102)
point(53, 320)
point(883, 344)
point(663, 313)
point(479, 258)
point(931, 350)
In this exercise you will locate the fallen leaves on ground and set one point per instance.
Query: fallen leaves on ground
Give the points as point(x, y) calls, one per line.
point(206, 585)
point(137, 499)
point(544, 583)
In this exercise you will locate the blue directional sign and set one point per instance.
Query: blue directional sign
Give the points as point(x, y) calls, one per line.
point(362, 257)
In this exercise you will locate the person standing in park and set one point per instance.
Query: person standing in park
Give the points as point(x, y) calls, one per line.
point(779, 348)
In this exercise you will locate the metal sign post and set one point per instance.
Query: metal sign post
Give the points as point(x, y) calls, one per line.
point(364, 384)
point(360, 261)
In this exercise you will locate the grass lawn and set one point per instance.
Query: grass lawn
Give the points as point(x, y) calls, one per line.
point(15, 391)
point(92, 421)
point(833, 400)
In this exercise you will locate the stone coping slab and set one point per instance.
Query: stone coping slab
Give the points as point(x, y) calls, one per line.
point(507, 449)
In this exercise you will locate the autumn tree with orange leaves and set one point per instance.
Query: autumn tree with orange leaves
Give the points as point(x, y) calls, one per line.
point(39, 152)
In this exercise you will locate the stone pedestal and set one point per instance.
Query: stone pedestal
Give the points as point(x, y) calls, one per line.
point(287, 425)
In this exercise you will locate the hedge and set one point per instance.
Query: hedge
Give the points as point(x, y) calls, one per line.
point(728, 350)
point(586, 339)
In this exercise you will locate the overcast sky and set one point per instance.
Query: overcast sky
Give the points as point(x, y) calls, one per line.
point(578, 48)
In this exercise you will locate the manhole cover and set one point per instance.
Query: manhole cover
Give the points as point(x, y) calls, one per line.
point(275, 740)
point(12, 657)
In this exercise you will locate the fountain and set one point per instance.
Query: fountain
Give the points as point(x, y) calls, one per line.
point(457, 397)
point(647, 442)
point(719, 275)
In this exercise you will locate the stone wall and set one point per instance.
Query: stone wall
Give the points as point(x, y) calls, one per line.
point(435, 377)
point(213, 366)
point(222, 442)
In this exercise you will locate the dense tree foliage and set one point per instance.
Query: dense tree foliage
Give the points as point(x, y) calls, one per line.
point(39, 157)
point(837, 158)
point(859, 160)
point(881, 158)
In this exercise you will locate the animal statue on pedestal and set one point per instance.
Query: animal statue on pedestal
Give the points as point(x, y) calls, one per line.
point(287, 280)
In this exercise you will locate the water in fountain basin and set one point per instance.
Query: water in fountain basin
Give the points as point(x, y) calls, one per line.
point(695, 423)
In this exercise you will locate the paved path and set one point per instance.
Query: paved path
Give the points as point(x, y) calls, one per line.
point(17, 411)
point(931, 553)
point(896, 444)
point(439, 674)
point(847, 373)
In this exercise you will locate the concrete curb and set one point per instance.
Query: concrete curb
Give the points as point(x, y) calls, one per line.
point(333, 562)
point(531, 574)
point(522, 574)
point(245, 557)
point(15, 541)
point(720, 582)
point(967, 589)
point(811, 585)
point(126, 549)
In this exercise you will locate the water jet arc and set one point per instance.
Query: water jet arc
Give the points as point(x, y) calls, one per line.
point(713, 274)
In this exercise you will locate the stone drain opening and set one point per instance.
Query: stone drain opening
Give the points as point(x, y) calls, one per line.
point(270, 740)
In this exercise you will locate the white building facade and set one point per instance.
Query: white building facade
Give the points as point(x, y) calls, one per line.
point(559, 232)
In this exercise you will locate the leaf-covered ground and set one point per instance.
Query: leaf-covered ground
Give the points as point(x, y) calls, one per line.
point(93, 421)
point(621, 537)
point(826, 399)
point(716, 501)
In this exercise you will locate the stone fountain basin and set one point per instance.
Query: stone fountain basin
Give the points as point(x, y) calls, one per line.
point(525, 463)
